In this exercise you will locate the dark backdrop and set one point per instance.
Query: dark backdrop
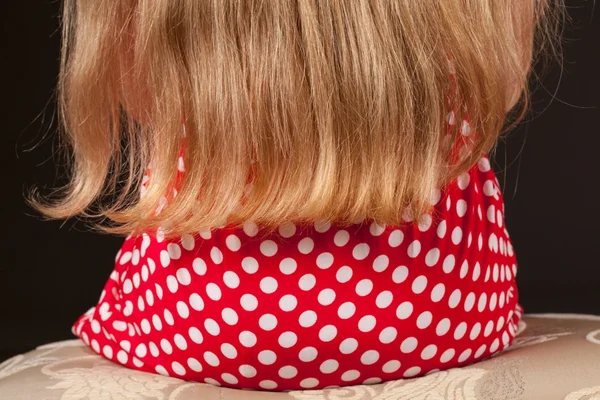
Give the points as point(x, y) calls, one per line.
point(50, 272)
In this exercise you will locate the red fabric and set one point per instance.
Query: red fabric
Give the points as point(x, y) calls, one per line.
point(316, 306)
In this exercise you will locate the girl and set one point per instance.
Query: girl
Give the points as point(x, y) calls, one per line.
point(317, 208)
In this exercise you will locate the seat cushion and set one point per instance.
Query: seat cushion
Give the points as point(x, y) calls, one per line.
point(553, 357)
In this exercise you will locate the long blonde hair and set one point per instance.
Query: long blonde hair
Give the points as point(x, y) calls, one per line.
point(335, 110)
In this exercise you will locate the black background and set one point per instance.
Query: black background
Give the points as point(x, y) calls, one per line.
point(52, 272)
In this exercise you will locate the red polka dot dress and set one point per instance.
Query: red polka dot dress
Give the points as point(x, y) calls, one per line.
point(317, 306)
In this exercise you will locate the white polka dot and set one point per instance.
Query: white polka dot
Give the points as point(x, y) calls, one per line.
point(364, 287)
point(360, 251)
point(384, 299)
point(429, 352)
point(424, 320)
point(447, 355)
point(172, 284)
point(145, 325)
point(404, 310)
point(348, 346)
point(435, 196)
point(489, 188)
point(463, 181)
point(475, 331)
point(500, 324)
point(188, 242)
point(461, 208)
point(268, 248)
point(367, 323)
point(287, 229)
point(464, 269)
point(454, 298)
point(288, 266)
point(482, 302)
point(501, 300)
point(419, 284)
point(326, 297)
point(125, 258)
point(232, 380)
point(376, 229)
point(216, 255)
point(174, 251)
point(307, 282)
point(249, 302)
point(425, 223)
point(480, 351)
point(250, 265)
point(346, 310)
point(287, 372)
point(211, 381)
point(166, 346)
point(195, 335)
point(341, 238)
point(457, 235)
point(306, 245)
point(122, 357)
point(183, 310)
point(441, 229)
point(388, 335)
point(493, 243)
point(231, 279)
point(307, 319)
point(211, 359)
point(391, 366)
point(350, 375)
point(308, 383)
point(329, 366)
point(408, 345)
point(400, 274)
point(168, 317)
point(460, 331)
point(381, 263)
point(194, 364)
point(213, 291)
point(442, 327)
point(432, 257)
point(464, 355)
point(324, 260)
point(267, 357)
point(327, 333)
point(322, 226)
point(307, 354)
point(396, 238)
point(288, 302)
point(267, 384)
point(180, 342)
point(141, 350)
point(127, 286)
point(287, 339)
point(491, 214)
point(233, 243)
point(369, 357)
point(344, 274)
point(267, 322)
point(183, 276)
point(476, 272)
point(438, 292)
point(229, 316)
point(199, 266)
point(229, 351)
point(449, 263)
point(414, 249)
point(212, 326)
point(493, 301)
point(107, 351)
point(268, 285)
point(247, 371)
point(161, 370)
point(250, 229)
point(494, 346)
point(469, 301)
point(247, 338)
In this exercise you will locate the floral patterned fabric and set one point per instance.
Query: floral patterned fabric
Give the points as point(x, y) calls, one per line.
point(553, 357)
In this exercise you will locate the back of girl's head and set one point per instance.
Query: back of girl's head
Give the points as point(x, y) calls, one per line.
point(336, 110)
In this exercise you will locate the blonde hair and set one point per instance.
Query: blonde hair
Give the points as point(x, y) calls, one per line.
point(335, 110)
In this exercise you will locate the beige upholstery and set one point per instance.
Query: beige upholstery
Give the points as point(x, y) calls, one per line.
point(553, 357)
